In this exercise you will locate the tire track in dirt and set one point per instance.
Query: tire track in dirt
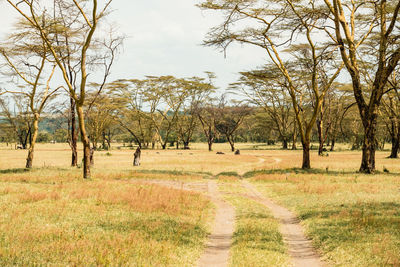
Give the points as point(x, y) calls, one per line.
point(220, 240)
point(300, 247)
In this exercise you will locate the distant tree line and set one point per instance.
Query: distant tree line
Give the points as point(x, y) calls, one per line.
point(331, 76)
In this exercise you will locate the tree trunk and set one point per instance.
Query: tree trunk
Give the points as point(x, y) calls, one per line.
point(395, 148)
point(164, 145)
point(306, 155)
point(294, 146)
point(136, 155)
point(103, 141)
point(94, 145)
point(369, 148)
point(29, 159)
point(186, 145)
point(92, 156)
point(85, 141)
point(74, 135)
point(108, 145)
point(395, 134)
point(333, 144)
point(232, 143)
point(284, 144)
point(210, 139)
point(320, 137)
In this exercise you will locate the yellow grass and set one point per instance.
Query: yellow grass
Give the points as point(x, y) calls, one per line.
point(195, 160)
point(50, 215)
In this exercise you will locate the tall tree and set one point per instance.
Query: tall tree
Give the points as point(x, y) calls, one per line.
point(271, 26)
point(132, 116)
point(27, 59)
point(165, 96)
point(267, 88)
point(229, 119)
point(207, 113)
point(87, 24)
point(198, 90)
point(354, 22)
point(391, 111)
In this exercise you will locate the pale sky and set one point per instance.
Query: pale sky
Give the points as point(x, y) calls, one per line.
point(164, 38)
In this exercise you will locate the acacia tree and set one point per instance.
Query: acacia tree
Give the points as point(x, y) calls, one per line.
point(206, 112)
point(87, 24)
point(27, 58)
point(338, 101)
point(354, 22)
point(267, 89)
point(165, 96)
point(229, 119)
point(198, 90)
point(19, 119)
point(100, 118)
point(391, 111)
point(132, 116)
point(257, 23)
point(65, 39)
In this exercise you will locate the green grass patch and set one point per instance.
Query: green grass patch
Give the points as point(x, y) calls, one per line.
point(327, 172)
point(257, 240)
point(234, 174)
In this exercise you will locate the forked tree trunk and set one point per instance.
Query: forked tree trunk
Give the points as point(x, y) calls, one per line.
point(85, 141)
point(35, 128)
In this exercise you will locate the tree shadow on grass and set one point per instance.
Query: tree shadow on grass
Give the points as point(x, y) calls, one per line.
point(17, 170)
point(310, 171)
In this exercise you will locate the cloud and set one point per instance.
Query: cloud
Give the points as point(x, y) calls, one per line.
point(164, 38)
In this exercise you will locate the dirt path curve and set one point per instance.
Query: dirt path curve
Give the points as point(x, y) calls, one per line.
point(220, 240)
point(300, 248)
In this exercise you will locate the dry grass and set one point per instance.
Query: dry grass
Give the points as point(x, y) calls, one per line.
point(72, 222)
point(57, 218)
point(353, 219)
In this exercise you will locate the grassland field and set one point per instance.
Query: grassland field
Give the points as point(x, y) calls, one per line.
point(50, 216)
